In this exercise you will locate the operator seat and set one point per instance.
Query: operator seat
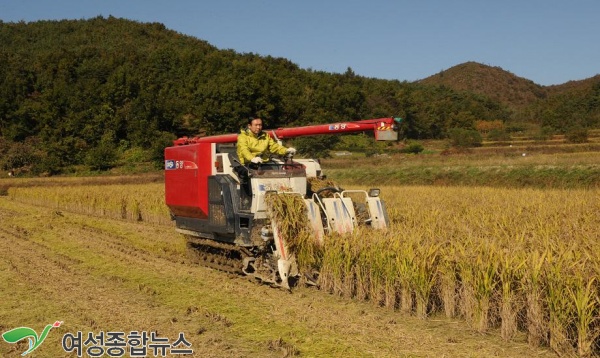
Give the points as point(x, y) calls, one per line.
point(241, 172)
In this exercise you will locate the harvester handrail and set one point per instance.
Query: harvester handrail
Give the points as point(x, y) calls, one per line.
point(355, 191)
point(320, 203)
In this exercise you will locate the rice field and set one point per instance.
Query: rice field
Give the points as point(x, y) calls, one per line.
point(507, 259)
point(511, 262)
point(115, 201)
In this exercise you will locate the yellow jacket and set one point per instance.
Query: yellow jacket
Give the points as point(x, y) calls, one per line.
point(250, 145)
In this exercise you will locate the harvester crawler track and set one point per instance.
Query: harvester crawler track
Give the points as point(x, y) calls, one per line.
point(216, 255)
point(230, 258)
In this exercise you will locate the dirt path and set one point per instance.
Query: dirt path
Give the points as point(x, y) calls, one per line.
point(105, 275)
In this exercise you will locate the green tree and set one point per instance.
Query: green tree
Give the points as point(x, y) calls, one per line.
point(161, 141)
point(104, 155)
point(317, 146)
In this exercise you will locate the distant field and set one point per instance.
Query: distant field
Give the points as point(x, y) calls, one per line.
point(518, 163)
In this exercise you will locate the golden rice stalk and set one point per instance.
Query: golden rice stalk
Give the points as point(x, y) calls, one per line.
point(586, 304)
point(315, 184)
point(390, 282)
point(562, 309)
point(362, 267)
point(326, 277)
point(510, 273)
point(339, 263)
point(349, 263)
point(376, 259)
point(423, 279)
point(534, 285)
point(479, 274)
point(447, 273)
point(289, 212)
point(404, 266)
point(331, 276)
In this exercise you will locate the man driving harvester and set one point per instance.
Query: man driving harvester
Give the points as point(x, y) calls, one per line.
point(253, 148)
point(254, 145)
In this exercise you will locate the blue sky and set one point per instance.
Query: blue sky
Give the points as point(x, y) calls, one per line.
point(546, 41)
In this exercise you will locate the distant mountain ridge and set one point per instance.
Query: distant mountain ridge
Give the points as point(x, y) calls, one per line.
point(493, 82)
point(578, 85)
point(501, 85)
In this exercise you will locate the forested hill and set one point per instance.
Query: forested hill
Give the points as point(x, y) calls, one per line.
point(558, 106)
point(493, 82)
point(92, 92)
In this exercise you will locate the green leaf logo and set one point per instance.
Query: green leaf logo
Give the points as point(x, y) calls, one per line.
point(17, 334)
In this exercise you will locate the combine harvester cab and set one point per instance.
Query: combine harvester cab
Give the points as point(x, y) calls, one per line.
point(226, 220)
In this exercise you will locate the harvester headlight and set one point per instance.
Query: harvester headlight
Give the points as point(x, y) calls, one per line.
point(373, 193)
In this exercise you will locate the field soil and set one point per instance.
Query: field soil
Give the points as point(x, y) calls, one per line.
point(97, 275)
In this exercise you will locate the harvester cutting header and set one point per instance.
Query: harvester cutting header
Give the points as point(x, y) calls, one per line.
point(219, 204)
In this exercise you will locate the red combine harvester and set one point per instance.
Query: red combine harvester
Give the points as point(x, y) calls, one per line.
point(230, 229)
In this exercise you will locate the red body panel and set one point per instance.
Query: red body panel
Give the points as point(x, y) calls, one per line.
point(187, 169)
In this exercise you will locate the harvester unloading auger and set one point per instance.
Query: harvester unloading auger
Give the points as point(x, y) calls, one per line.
point(232, 230)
